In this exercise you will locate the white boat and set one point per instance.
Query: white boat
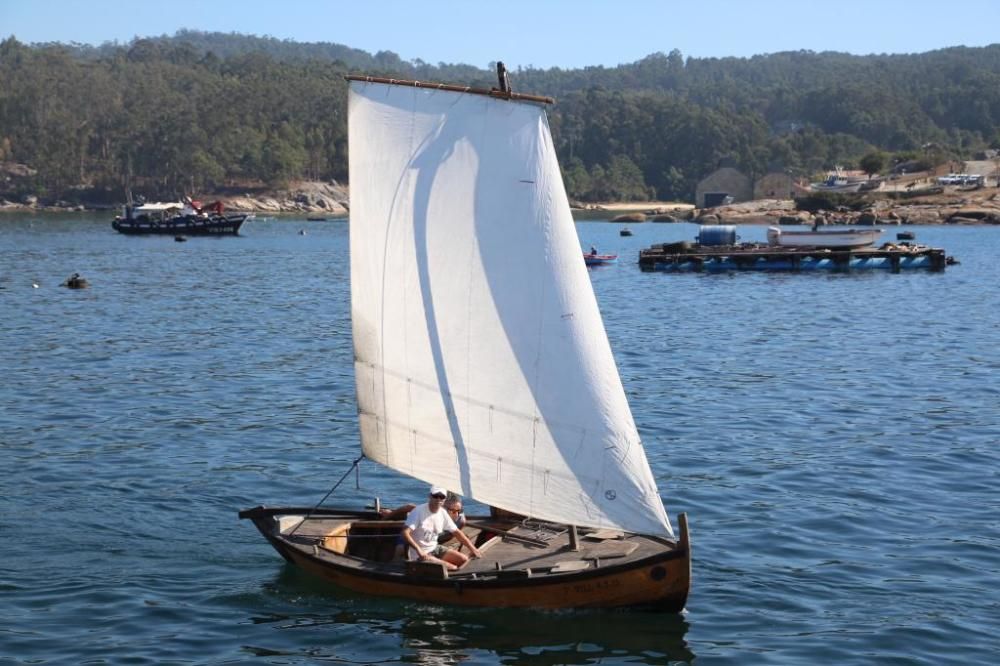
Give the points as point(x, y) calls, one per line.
point(838, 181)
point(482, 366)
point(961, 179)
point(184, 217)
point(823, 238)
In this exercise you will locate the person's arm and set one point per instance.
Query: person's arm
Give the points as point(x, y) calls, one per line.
point(460, 535)
point(408, 538)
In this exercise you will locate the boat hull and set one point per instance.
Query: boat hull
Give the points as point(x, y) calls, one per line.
point(846, 239)
point(659, 581)
point(599, 259)
point(847, 188)
point(228, 225)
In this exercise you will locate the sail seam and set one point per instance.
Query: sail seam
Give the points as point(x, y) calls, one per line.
point(392, 425)
point(474, 402)
point(544, 221)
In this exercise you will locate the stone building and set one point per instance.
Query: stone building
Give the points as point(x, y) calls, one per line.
point(774, 185)
point(721, 183)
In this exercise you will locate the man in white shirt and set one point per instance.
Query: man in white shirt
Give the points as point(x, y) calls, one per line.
point(423, 527)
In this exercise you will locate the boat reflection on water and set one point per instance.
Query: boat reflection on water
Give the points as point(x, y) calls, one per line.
point(363, 629)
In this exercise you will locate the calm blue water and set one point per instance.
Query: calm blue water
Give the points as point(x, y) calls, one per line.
point(833, 439)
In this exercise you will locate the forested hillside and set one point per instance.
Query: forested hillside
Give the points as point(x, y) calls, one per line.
point(197, 111)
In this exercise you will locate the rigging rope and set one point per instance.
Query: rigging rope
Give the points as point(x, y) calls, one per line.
point(354, 465)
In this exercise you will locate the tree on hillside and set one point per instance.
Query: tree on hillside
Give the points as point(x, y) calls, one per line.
point(873, 162)
point(168, 115)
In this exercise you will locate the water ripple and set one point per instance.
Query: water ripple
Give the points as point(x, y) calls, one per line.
point(832, 438)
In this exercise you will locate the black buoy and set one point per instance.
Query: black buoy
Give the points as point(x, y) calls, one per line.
point(179, 239)
point(74, 281)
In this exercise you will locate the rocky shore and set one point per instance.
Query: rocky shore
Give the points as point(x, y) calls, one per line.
point(980, 206)
point(331, 199)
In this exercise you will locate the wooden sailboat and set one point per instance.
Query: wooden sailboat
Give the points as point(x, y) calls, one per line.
point(482, 370)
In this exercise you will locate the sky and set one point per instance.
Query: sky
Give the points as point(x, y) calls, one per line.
point(530, 33)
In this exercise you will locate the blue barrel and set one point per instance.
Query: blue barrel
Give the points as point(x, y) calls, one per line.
point(717, 234)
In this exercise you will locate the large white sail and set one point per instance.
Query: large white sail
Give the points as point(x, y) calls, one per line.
point(481, 360)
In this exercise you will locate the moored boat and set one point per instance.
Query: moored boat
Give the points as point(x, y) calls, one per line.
point(177, 219)
point(838, 181)
point(828, 238)
point(599, 259)
point(488, 385)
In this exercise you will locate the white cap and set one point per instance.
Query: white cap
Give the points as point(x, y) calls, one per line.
point(438, 490)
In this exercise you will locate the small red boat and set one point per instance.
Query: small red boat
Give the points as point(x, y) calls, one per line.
point(599, 259)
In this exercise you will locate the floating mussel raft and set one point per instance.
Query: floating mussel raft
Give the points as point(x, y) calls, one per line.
point(692, 257)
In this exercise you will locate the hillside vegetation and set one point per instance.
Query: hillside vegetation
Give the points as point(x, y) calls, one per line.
point(198, 112)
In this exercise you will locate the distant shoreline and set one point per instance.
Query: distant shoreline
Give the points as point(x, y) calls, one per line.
point(330, 201)
point(650, 207)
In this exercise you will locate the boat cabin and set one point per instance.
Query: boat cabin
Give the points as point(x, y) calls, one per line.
point(158, 212)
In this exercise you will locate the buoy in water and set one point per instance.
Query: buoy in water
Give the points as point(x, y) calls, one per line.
point(179, 239)
point(74, 281)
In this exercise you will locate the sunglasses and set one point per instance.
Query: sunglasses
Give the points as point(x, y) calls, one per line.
point(439, 496)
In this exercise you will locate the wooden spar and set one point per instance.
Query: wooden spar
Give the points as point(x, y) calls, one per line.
point(498, 94)
point(486, 527)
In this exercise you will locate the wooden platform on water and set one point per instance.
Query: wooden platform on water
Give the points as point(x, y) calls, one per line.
point(683, 257)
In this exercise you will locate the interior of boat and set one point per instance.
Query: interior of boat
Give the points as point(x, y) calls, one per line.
point(510, 545)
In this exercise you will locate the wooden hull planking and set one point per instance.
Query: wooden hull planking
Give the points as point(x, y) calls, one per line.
point(660, 581)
